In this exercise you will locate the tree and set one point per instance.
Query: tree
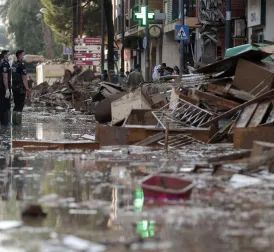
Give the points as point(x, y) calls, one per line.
point(59, 17)
point(26, 28)
point(22, 22)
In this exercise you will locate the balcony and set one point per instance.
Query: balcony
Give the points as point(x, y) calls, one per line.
point(190, 10)
point(172, 8)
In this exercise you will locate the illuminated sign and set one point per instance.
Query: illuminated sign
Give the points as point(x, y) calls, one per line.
point(142, 15)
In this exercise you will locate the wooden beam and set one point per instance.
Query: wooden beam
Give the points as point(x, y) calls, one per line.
point(238, 94)
point(218, 101)
point(152, 139)
point(109, 135)
point(243, 137)
point(81, 145)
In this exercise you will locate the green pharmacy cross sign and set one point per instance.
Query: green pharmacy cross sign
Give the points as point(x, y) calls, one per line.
point(141, 16)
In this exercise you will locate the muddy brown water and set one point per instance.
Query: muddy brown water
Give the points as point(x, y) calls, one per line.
point(94, 202)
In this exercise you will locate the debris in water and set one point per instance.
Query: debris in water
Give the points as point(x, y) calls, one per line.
point(239, 181)
point(79, 244)
point(153, 245)
point(165, 187)
point(6, 225)
point(33, 211)
point(83, 211)
point(88, 137)
point(50, 200)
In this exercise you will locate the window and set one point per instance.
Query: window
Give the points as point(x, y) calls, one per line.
point(175, 9)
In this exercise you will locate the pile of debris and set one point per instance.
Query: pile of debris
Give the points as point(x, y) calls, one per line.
point(228, 101)
point(78, 90)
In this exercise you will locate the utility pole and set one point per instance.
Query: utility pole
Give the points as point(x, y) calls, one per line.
point(103, 39)
point(228, 25)
point(123, 34)
point(147, 53)
point(182, 46)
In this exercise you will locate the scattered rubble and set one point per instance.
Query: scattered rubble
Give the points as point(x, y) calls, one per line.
point(216, 127)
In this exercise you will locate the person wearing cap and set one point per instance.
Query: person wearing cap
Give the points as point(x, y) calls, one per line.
point(5, 88)
point(20, 87)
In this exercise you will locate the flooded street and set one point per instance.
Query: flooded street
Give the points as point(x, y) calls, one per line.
point(93, 200)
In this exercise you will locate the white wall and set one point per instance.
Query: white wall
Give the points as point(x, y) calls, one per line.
point(269, 22)
point(171, 50)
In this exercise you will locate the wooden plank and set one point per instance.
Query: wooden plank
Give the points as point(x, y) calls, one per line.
point(225, 91)
point(152, 139)
point(219, 101)
point(82, 145)
point(264, 97)
point(245, 116)
point(39, 148)
point(259, 114)
point(243, 137)
point(109, 135)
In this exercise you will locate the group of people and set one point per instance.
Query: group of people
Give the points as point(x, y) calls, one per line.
point(164, 70)
point(13, 86)
point(133, 78)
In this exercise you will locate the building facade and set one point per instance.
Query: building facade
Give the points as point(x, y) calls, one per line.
point(207, 30)
point(210, 39)
point(260, 20)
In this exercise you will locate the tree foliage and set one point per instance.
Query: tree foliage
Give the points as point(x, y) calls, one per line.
point(59, 17)
point(23, 24)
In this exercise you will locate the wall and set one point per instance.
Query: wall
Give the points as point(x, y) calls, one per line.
point(170, 54)
point(155, 5)
point(269, 22)
point(237, 8)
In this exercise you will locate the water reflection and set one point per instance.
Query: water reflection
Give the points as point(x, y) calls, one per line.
point(79, 196)
point(12, 173)
point(49, 131)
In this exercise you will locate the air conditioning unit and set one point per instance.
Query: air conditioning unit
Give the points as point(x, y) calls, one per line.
point(239, 28)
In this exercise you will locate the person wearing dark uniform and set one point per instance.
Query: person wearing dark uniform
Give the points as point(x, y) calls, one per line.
point(19, 87)
point(5, 89)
